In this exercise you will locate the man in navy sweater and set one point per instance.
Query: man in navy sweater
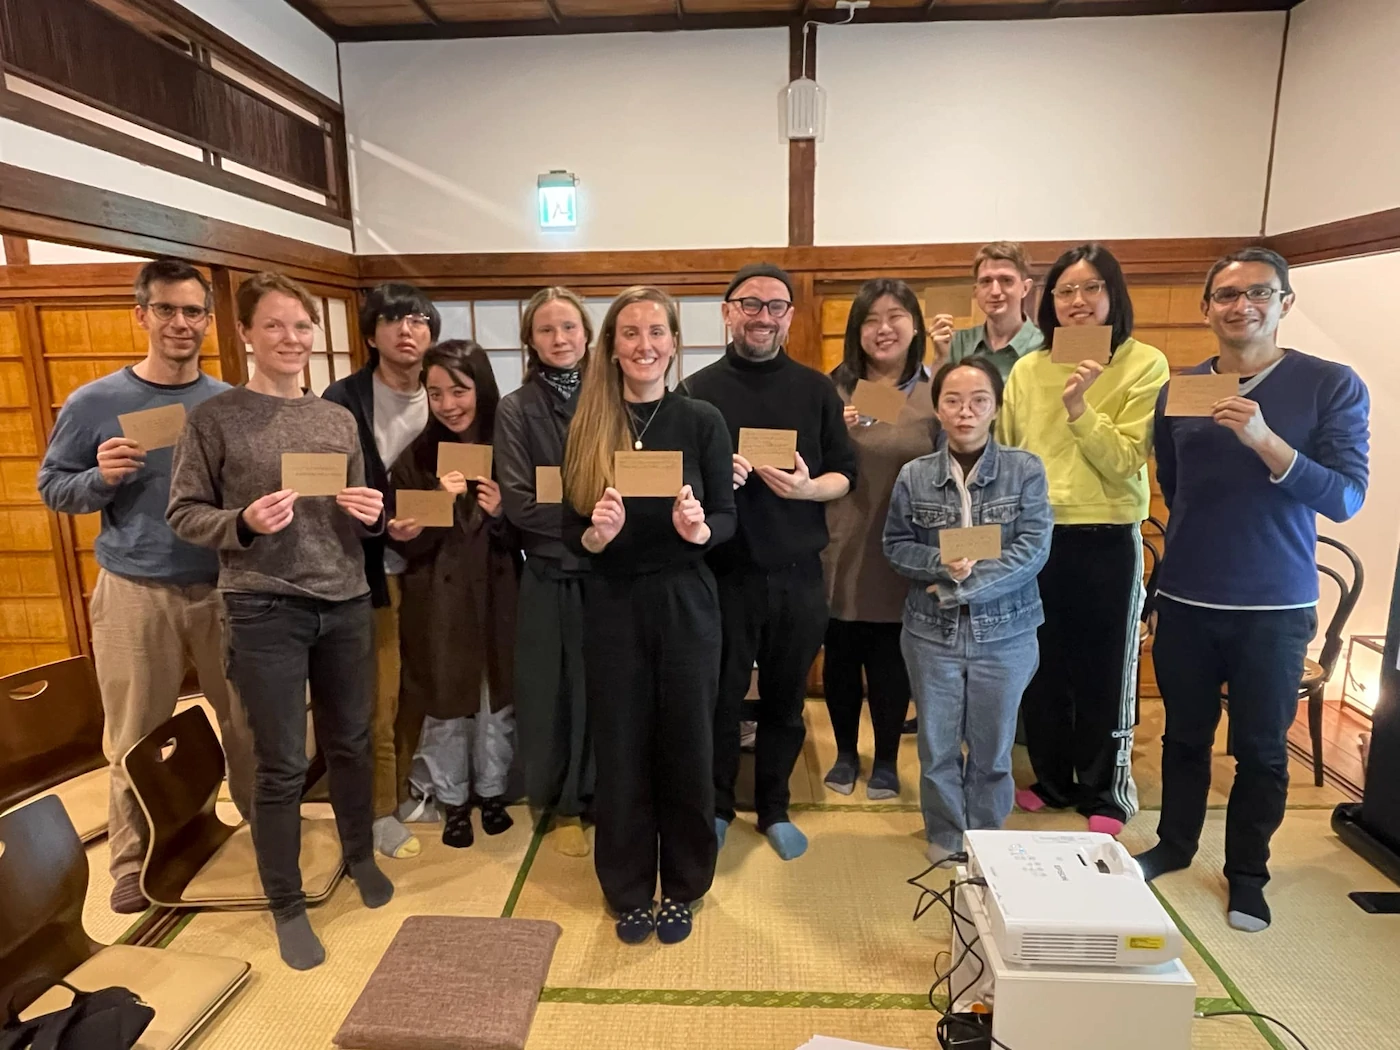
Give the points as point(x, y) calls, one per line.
point(1238, 582)
point(771, 596)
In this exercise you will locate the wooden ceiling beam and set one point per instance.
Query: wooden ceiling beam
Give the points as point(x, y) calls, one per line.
point(428, 12)
point(317, 17)
point(938, 11)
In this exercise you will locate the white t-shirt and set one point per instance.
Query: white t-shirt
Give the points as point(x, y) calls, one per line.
point(398, 419)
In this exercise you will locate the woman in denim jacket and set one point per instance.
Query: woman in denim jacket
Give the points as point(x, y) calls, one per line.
point(969, 636)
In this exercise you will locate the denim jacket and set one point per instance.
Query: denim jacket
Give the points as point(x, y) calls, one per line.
point(1003, 599)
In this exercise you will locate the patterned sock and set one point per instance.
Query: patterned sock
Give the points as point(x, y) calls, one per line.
point(394, 840)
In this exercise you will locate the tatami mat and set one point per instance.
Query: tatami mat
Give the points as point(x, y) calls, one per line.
point(825, 944)
point(820, 753)
point(566, 1026)
point(1325, 967)
point(569, 1026)
point(100, 921)
point(289, 1010)
point(836, 919)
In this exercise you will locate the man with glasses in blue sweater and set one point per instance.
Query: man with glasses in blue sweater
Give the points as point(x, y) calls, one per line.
point(1238, 584)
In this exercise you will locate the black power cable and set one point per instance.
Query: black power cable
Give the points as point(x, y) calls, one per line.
point(928, 896)
point(1254, 1013)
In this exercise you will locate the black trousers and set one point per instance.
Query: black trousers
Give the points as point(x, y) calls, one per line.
point(1080, 707)
point(277, 644)
point(777, 619)
point(652, 651)
point(1259, 656)
point(551, 710)
point(854, 647)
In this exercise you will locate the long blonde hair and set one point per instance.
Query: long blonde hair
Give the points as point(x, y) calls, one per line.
point(600, 426)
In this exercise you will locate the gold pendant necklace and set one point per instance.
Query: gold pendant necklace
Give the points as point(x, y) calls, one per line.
point(632, 425)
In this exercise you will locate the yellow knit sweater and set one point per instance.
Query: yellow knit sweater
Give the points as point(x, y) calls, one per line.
point(1097, 465)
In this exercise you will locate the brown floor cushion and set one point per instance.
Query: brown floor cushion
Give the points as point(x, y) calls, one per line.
point(482, 978)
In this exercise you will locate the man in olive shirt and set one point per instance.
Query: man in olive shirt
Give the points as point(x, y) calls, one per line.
point(1002, 271)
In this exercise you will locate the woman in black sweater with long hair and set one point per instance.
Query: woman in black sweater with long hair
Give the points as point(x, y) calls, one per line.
point(651, 617)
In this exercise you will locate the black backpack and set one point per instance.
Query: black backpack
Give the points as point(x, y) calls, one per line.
point(107, 1019)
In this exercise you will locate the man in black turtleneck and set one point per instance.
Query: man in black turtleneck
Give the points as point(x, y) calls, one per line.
point(770, 576)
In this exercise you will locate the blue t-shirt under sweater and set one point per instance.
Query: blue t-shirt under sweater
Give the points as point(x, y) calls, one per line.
point(1236, 537)
point(135, 541)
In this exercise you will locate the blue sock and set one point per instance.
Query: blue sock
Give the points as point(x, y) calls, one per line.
point(721, 829)
point(787, 840)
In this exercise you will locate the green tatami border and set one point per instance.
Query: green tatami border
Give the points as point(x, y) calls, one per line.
point(774, 1000)
point(176, 921)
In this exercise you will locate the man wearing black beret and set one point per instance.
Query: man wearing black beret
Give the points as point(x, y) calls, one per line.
point(771, 595)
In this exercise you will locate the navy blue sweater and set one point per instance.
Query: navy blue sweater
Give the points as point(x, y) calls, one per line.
point(1236, 537)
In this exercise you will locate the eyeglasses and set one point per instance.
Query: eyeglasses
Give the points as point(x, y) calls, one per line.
point(414, 320)
point(167, 312)
point(1255, 293)
point(980, 404)
point(753, 306)
point(1090, 290)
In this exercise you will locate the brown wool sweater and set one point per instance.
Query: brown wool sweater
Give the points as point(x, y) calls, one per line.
point(229, 455)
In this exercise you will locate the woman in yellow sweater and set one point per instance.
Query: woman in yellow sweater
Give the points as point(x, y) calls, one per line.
point(1091, 423)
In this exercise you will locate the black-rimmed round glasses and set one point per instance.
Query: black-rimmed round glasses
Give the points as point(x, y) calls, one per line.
point(753, 306)
point(1259, 294)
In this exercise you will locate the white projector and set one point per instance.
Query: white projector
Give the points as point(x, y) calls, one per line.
point(1069, 899)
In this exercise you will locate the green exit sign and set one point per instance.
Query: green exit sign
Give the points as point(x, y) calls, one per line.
point(558, 193)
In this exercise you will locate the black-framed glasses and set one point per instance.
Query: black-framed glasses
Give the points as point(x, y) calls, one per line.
point(1259, 294)
point(167, 312)
point(753, 306)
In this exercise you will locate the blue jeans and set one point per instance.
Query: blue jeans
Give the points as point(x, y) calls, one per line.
point(967, 692)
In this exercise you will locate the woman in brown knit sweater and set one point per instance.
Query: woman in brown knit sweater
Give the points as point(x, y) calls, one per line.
point(885, 340)
point(457, 624)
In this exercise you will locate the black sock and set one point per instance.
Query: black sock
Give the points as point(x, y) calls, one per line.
point(494, 818)
point(375, 888)
point(1248, 909)
point(1159, 860)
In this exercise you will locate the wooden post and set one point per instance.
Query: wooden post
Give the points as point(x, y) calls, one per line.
point(802, 155)
point(233, 359)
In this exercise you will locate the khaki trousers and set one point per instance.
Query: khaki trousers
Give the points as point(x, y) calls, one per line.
point(386, 702)
point(144, 634)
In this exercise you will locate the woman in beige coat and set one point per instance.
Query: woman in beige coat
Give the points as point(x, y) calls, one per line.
point(885, 342)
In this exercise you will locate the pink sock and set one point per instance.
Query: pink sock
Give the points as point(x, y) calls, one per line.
point(1029, 801)
point(1106, 826)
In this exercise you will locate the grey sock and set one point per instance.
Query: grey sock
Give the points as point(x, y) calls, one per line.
point(390, 836)
point(883, 782)
point(375, 888)
point(301, 949)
